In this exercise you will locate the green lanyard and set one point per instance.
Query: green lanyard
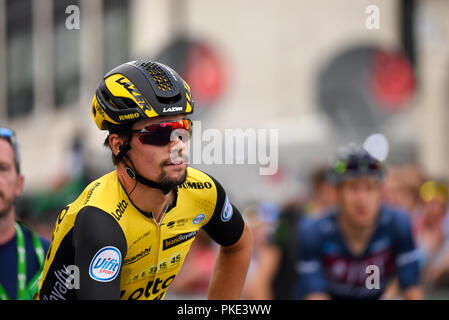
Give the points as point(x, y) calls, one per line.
point(25, 292)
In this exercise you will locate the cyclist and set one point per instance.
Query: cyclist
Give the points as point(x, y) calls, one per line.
point(22, 252)
point(358, 248)
point(129, 232)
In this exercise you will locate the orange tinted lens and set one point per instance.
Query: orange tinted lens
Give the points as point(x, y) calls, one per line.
point(187, 124)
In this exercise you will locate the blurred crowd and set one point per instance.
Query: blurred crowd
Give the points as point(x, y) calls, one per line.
point(272, 272)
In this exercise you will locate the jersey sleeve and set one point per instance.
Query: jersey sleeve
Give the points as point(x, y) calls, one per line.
point(100, 246)
point(407, 255)
point(226, 224)
point(310, 274)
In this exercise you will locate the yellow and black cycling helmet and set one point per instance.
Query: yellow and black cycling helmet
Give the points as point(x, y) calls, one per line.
point(139, 90)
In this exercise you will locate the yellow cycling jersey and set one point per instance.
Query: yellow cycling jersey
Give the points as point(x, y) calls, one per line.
point(118, 251)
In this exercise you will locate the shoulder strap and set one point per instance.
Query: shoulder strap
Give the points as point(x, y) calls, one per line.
point(33, 284)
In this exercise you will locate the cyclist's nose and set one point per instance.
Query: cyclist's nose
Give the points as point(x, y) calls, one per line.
point(177, 142)
point(179, 137)
point(178, 149)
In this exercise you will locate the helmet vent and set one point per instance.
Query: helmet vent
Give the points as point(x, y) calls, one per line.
point(158, 75)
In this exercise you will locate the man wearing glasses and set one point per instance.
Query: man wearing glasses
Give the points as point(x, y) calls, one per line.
point(129, 232)
point(22, 252)
point(360, 246)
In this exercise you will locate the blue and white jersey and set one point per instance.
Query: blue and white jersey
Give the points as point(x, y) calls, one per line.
point(326, 265)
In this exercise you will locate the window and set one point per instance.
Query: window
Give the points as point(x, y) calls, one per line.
point(65, 50)
point(19, 55)
point(67, 56)
point(115, 33)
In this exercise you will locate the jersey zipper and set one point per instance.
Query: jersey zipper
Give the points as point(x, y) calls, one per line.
point(159, 237)
point(162, 217)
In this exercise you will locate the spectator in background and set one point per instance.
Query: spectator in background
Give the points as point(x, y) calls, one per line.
point(401, 189)
point(41, 208)
point(261, 219)
point(323, 193)
point(22, 252)
point(70, 181)
point(431, 236)
point(356, 250)
point(276, 273)
point(282, 250)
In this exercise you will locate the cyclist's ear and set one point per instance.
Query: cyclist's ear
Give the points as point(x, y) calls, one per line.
point(115, 143)
point(123, 148)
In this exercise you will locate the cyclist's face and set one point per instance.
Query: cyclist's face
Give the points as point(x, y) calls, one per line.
point(10, 181)
point(435, 209)
point(359, 199)
point(159, 163)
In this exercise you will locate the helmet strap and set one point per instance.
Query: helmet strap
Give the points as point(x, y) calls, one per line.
point(132, 172)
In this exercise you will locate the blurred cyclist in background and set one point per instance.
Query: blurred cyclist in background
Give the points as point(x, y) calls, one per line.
point(22, 252)
point(355, 251)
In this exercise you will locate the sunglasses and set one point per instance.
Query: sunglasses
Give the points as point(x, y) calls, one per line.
point(6, 133)
point(9, 135)
point(162, 133)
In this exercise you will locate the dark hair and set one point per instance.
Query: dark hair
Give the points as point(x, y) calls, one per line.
point(319, 176)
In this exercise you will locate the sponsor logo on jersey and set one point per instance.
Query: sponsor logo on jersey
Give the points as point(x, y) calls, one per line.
point(105, 265)
point(156, 286)
point(138, 256)
point(171, 224)
point(196, 185)
point(176, 223)
point(174, 241)
point(59, 290)
point(91, 191)
point(226, 212)
point(146, 234)
point(121, 208)
point(199, 218)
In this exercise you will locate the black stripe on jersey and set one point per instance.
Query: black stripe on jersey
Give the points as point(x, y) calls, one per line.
point(54, 285)
point(96, 229)
point(225, 231)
